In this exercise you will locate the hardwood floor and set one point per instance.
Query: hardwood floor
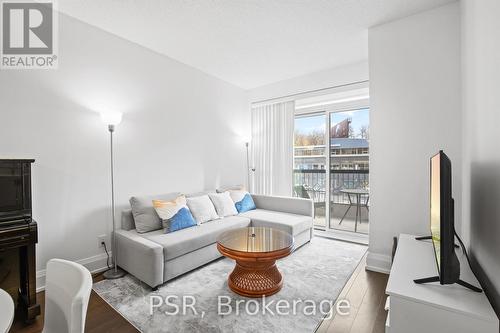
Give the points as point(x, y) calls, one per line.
point(365, 292)
point(101, 317)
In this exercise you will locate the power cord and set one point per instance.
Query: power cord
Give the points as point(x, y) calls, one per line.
point(464, 251)
point(107, 254)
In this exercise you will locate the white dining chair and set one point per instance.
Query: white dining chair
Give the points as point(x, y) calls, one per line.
point(67, 293)
point(6, 311)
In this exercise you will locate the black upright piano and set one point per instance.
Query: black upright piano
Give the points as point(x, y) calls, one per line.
point(18, 236)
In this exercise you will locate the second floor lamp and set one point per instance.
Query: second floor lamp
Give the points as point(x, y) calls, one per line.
point(112, 119)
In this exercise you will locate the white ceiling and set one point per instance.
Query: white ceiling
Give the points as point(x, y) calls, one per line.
point(248, 42)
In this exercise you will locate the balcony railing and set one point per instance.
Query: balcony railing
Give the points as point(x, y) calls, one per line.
point(312, 184)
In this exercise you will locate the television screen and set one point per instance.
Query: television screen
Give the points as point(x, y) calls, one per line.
point(442, 207)
point(436, 206)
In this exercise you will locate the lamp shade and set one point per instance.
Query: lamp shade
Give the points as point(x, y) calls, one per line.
point(111, 118)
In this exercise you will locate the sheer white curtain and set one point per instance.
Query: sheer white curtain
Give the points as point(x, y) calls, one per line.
point(272, 148)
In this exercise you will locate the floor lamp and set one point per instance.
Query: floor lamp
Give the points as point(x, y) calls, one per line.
point(249, 169)
point(112, 120)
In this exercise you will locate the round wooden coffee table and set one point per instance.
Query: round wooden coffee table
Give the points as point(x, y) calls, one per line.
point(255, 250)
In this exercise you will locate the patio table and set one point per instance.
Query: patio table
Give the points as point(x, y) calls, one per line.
point(358, 193)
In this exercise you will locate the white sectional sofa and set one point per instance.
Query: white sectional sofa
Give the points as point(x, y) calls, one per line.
point(155, 257)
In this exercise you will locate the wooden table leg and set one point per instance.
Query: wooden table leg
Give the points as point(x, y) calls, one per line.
point(255, 278)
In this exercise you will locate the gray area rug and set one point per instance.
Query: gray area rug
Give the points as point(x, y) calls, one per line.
point(313, 273)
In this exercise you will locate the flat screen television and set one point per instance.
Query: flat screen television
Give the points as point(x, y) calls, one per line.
point(442, 219)
point(442, 224)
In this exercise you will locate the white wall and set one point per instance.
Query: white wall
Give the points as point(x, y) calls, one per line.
point(319, 80)
point(181, 132)
point(481, 105)
point(415, 111)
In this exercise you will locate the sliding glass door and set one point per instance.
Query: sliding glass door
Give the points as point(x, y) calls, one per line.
point(349, 170)
point(309, 169)
point(338, 139)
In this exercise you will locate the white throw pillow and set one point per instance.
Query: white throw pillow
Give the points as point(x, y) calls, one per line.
point(202, 209)
point(223, 203)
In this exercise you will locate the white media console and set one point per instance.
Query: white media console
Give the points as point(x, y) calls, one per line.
point(433, 307)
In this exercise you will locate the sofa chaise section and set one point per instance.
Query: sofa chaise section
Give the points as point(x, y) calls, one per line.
point(292, 215)
point(298, 226)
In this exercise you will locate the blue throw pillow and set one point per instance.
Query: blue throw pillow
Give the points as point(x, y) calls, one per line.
point(174, 214)
point(245, 204)
point(182, 220)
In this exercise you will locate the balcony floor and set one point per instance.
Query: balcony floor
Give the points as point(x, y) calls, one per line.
point(347, 224)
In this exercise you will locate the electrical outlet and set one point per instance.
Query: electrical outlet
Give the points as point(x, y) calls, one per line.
point(101, 239)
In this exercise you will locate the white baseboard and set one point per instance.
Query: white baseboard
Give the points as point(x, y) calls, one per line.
point(377, 262)
point(94, 264)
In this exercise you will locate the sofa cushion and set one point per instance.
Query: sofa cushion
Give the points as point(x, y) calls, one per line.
point(127, 221)
point(202, 209)
point(186, 240)
point(223, 203)
point(292, 223)
point(145, 217)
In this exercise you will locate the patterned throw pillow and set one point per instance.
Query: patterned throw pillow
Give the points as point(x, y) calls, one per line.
point(174, 214)
point(242, 200)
